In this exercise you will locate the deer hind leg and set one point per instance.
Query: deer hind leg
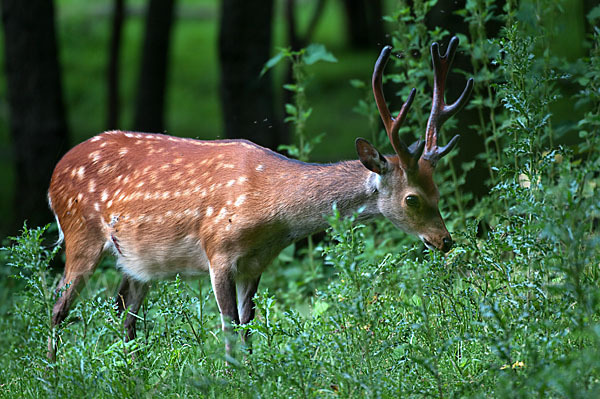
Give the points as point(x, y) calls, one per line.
point(130, 297)
point(82, 256)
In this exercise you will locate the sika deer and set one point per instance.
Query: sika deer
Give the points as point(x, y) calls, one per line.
point(165, 205)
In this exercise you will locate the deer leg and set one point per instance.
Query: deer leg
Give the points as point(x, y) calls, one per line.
point(223, 286)
point(80, 264)
point(130, 298)
point(246, 289)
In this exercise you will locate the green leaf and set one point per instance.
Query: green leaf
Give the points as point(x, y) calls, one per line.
point(273, 61)
point(291, 109)
point(357, 83)
point(317, 52)
point(594, 14)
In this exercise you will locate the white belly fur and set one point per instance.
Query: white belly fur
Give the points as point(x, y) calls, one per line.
point(185, 257)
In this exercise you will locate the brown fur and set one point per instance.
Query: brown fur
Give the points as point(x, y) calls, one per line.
point(165, 205)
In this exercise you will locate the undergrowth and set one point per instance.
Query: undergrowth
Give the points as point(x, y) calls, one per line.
point(511, 311)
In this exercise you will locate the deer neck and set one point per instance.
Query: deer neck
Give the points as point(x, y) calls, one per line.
point(316, 188)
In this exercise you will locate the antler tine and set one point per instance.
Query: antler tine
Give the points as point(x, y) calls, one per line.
point(392, 125)
point(440, 111)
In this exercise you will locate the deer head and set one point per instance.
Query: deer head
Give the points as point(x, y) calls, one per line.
point(408, 195)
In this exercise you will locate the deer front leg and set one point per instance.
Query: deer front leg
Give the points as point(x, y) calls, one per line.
point(223, 285)
point(246, 289)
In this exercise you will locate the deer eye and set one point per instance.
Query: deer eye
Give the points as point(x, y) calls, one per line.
point(412, 201)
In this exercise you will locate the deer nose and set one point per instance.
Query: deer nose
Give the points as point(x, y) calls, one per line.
point(446, 244)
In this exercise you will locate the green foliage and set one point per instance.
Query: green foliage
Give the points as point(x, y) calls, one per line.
point(298, 112)
point(512, 311)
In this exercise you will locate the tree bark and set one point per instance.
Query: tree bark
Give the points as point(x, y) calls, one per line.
point(114, 56)
point(244, 47)
point(38, 125)
point(364, 23)
point(149, 111)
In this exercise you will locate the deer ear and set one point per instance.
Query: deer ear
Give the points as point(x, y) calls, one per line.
point(370, 157)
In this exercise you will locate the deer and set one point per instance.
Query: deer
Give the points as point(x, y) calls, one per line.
point(164, 205)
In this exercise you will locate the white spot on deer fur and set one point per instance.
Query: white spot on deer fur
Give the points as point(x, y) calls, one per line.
point(220, 156)
point(97, 138)
point(109, 204)
point(140, 184)
point(146, 169)
point(147, 196)
point(79, 197)
point(230, 183)
point(228, 166)
point(92, 186)
point(176, 176)
point(97, 207)
point(228, 227)
point(240, 200)
point(259, 168)
point(81, 172)
point(123, 151)
point(166, 195)
point(177, 161)
point(129, 135)
point(95, 156)
point(242, 179)
point(169, 214)
point(104, 196)
point(209, 211)
point(177, 194)
point(221, 214)
point(228, 202)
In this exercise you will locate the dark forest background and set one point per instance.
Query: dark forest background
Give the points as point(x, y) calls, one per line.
point(190, 68)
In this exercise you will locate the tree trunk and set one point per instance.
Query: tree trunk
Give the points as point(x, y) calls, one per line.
point(114, 55)
point(244, 47)
point(364, 23)
point(149, 111)
point(38, 124)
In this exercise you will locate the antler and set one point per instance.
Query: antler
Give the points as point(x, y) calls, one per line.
point(408, 157)
point(440, 111)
